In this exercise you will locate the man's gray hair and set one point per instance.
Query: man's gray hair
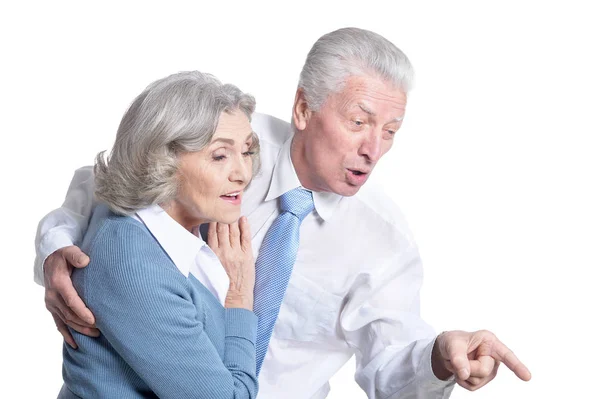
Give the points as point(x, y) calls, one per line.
point(351, 52)
point(173, 115)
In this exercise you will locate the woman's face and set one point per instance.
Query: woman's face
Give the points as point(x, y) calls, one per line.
point(213, 179)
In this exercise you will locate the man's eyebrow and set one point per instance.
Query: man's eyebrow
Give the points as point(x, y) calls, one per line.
point(368, 111)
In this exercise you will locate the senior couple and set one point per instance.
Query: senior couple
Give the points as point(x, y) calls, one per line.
point(312, 274)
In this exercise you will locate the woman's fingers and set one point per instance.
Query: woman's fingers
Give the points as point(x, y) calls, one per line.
point(223, 235)
point(246, 238)
point(234, 235)
point(212, 239)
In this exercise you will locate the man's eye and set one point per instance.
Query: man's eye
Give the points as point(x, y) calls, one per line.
point(218, 157)
point(392, 132)
point(358, 123)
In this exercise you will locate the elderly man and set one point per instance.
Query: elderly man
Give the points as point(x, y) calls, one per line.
point(348, 265)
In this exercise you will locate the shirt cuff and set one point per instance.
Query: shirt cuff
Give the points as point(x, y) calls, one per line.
point(425, 372)
point(50, 243)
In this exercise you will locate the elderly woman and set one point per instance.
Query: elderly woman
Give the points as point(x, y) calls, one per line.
point(183, 154)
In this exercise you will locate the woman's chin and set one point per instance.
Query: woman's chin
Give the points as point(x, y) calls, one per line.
point(229, 219)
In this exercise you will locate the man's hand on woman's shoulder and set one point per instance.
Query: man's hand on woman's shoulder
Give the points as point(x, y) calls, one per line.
point(62, 300)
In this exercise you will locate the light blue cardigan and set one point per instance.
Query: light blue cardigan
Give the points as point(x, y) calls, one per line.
point(162, 334)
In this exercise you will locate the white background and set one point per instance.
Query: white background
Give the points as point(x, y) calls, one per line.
point(496, 166)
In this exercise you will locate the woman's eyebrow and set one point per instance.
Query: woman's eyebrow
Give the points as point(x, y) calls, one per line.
point(231, 141)
point(227, 141)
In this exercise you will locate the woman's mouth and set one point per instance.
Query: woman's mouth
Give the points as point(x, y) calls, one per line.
point(234, 198)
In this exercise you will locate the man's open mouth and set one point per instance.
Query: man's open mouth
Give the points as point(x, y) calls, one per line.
point(357, 172)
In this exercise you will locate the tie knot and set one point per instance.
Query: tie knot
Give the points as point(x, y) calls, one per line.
point(298, 202)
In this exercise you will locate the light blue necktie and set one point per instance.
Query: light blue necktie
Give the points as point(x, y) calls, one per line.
point(275, 262)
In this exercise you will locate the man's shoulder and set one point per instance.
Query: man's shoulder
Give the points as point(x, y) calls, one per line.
point(382, 210)
point(271, 130)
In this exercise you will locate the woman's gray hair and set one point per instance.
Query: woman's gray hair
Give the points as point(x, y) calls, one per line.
point(351, 52)
point(173, 115)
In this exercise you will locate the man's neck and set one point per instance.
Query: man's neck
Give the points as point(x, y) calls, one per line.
point(300, 163)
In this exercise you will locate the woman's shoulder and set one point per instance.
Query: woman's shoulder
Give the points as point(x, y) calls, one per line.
point(121, 241)
point(108, 227)
point(125, 256)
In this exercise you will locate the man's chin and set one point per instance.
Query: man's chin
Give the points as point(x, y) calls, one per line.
point(348, 190)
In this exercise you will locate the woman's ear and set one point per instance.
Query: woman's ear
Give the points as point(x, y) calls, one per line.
point(300, 113)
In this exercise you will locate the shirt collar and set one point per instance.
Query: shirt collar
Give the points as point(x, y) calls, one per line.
point(285, 179)
point(181, 245)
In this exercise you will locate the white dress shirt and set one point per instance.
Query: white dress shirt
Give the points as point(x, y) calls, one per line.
point(354, 289)
point(188, 251)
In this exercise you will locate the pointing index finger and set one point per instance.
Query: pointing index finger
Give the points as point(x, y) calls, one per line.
point(506, 356)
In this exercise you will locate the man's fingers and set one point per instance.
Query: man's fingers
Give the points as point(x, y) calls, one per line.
point(65, 316)
point(234, 235)
point(461, 366)
point(465, 384)
point(84, 329)
point(457, 354)
point(483, 366)
point(223, 234)
point(211, 237)
point(57, 306)
point(502, 353)
point(482, 380)
point(468, 385)
point(474, 358)
point(75, 257)
point(62, 328)
point(68, 316)
point(483, 371)
point(475, 381)
point(478, 382)
point(75, 304)
point(245, 233)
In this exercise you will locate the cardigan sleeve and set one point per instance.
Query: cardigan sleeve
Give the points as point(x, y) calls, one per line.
point(145, 311)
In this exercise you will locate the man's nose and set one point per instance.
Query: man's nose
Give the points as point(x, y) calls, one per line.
point(371, 147)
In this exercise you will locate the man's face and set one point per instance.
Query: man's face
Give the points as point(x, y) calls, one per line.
point(337, 147)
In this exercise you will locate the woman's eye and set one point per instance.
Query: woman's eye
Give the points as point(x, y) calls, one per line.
point(248, 153)
point(218, 157)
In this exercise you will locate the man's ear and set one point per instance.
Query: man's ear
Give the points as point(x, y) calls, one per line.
point(300, 113)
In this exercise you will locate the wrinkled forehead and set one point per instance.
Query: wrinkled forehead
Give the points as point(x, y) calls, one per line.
point(372, 95)
point(233, 125)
